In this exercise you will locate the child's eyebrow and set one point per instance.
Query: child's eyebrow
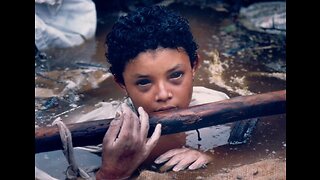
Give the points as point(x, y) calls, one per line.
point(174, 68)
point(140, 76)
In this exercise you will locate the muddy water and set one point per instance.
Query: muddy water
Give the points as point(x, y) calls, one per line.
point(235, 61)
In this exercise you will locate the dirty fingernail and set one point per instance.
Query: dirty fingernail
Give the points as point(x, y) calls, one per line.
point(192, 167)
point(159, 161)
point(117, 115)
point(176, 169)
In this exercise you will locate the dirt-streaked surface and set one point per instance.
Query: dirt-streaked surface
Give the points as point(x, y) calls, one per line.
point(235, 61)
point(262, 170)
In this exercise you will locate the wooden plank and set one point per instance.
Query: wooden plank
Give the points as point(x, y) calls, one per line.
point(173, 121)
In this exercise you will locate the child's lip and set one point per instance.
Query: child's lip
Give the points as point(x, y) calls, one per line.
point(165, 108)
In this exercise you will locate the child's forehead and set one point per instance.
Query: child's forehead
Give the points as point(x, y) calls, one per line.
point(163, 54)
point(165, 58)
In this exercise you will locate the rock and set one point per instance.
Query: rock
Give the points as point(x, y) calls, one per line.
point(268, 17)
point(265, 169)
point(144, 175)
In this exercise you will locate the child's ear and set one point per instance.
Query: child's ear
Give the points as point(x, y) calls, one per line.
point(119, 83)
point(196, 64)
point(123, 87)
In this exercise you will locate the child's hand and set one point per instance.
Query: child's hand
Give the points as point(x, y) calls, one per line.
point(125, 145)
point(182, 158)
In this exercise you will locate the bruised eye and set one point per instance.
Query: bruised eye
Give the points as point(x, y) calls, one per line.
point(143, 82)
point(176, 75)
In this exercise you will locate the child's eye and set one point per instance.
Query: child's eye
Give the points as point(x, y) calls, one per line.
point(143, 82)
point(176, 75)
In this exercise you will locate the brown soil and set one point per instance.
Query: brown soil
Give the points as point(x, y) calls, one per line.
point(265, 169)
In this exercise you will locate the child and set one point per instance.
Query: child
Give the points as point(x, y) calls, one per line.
point(153, 57)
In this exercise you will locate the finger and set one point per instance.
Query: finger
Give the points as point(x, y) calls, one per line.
point(166, 156)
point(135, 126)
point(185, 162)
point(153, 140)
point(200, 163)
point(144, 119)
point(173, 161)
point(127, 109)
point(127, 125)
point(113, 129)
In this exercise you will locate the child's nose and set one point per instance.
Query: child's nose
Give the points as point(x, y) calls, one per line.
point(163, 93)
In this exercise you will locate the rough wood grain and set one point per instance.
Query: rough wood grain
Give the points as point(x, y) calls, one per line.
point(173, 121)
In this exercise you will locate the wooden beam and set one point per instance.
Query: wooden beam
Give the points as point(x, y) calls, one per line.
point(173, 121)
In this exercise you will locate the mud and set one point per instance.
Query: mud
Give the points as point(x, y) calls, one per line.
point(235, 61)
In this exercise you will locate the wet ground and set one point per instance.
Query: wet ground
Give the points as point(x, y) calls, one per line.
point(235, 61)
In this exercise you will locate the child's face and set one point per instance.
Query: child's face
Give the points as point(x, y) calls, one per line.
point(159, 80)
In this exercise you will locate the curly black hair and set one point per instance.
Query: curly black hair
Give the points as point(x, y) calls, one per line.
point(147, 28)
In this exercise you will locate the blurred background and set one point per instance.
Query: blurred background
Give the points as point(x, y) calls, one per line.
point(243, 47)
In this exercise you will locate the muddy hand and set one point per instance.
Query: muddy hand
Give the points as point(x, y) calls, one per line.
point(183, 158)
point(125, 145)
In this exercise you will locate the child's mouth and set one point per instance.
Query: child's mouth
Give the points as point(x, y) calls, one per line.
point(165, 108)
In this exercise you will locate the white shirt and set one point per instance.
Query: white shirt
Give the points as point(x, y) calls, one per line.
point(211, 136)
point(107, 110)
